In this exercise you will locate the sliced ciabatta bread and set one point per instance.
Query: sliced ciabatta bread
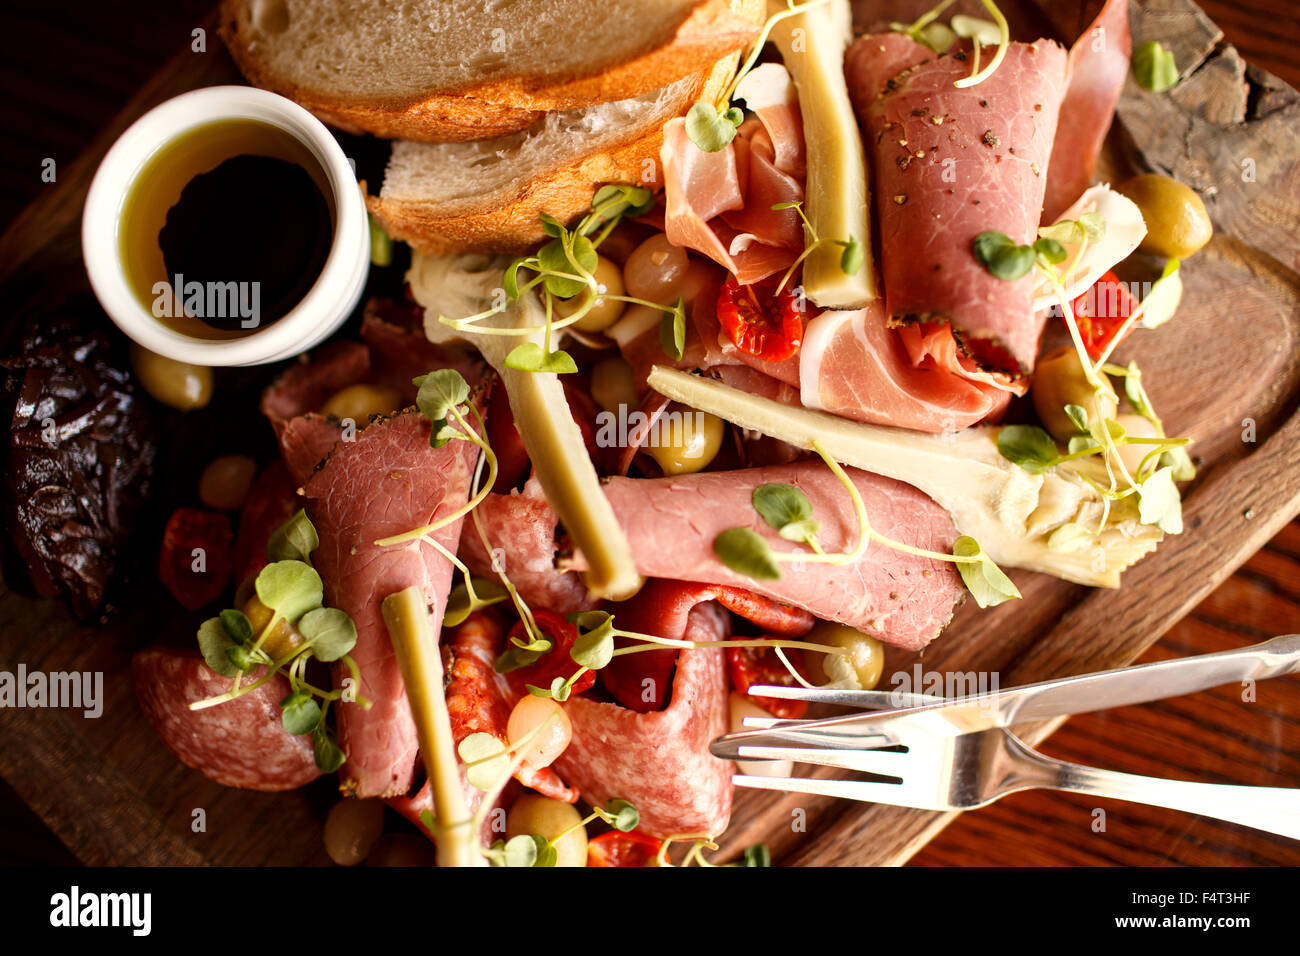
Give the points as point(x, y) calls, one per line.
point(454, 70)
point(488, 196)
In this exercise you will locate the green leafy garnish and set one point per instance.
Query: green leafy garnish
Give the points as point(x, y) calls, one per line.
point(1049, 251)
point(788, 510)
point(1028, 446)
point(486, 760)
point(299, 713)
point(325, 749)
point(558, 257)
point(1154, 67)
point(1159, 503)
point(744, 552)
point(711, 129)
point(672, 331)
point(985, 580)
point(289, 588)
point(758, 855)
point(622, 815)
point(853, 257)
point(470, 596)
point(329, 631)
point(295, 540)
point(997, 253)
point(1078, 417)
point(442, 396)
point(594, 648)
point(1161, 301)
point(215, 643)
point(292, 590)
point(531, 357)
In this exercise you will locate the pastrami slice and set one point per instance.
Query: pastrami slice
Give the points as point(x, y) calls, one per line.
point(386, 482)
point(950, 163)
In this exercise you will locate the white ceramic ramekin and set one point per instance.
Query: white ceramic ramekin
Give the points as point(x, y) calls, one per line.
point(329, 301)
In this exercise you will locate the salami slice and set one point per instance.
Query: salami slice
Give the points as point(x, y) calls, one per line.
point(241, 743)
point(660, 761)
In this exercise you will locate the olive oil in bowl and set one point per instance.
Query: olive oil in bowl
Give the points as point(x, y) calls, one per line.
point(226, 228)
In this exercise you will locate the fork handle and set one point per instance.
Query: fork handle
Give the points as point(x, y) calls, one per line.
point(1272, 809)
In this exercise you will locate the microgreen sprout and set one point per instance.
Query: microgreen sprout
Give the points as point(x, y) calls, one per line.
point(789, 512)
point(1034, 450)
point(562, 269)
point(939, 37)
point(712, 125)
point(852, 258)
point(444, 400)
point(290, 589)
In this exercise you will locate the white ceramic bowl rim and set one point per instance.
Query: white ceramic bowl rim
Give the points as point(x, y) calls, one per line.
point(326, 304)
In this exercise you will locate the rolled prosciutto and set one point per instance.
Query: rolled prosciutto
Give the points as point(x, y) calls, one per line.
point(948, 164)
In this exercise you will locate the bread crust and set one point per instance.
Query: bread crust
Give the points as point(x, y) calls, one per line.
point(509, 221)
point(712, 30)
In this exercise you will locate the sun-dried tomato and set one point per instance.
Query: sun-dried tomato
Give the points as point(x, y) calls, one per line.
point(197, 557)
point(760, 665)
point(759, 320)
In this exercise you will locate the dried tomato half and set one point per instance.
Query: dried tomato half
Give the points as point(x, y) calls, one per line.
point(197, 557)
point(1101, 311)
point(760, 665)
point(554, 663)
point(759, 320)
point(623, 849)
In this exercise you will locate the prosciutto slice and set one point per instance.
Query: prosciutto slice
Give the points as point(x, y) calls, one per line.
point(1098, 64)
point(853, 365)
point(949, 164)
point(660, 761)
point(720, 203)
point(385, 482)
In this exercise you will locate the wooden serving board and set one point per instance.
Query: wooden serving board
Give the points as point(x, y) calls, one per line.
point(1227, 372)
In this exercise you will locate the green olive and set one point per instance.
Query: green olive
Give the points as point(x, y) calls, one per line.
point(284, 638)
point(865, 654)
point(351, 829)
point(605, 312)
point(612, 385)
point(1177, 223)
point(545, 817)
point(684, 441)
point(224, 484)
point(359, 402)
point(178, 384)
point(1060, 380)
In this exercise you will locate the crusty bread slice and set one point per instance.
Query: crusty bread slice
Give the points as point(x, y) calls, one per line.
point(455, 70)
point(488, 196)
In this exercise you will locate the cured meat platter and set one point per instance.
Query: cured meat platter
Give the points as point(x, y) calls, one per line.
point(1228, 375)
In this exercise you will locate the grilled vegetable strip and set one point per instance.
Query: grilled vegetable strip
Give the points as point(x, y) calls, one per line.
point(836, 189)
point(409, 628)
point(1015, 515)
point(466, 285)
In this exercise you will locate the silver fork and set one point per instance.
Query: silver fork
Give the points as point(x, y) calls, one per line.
point(973, 770)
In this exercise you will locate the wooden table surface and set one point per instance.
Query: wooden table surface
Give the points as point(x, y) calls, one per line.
point(68, 67)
